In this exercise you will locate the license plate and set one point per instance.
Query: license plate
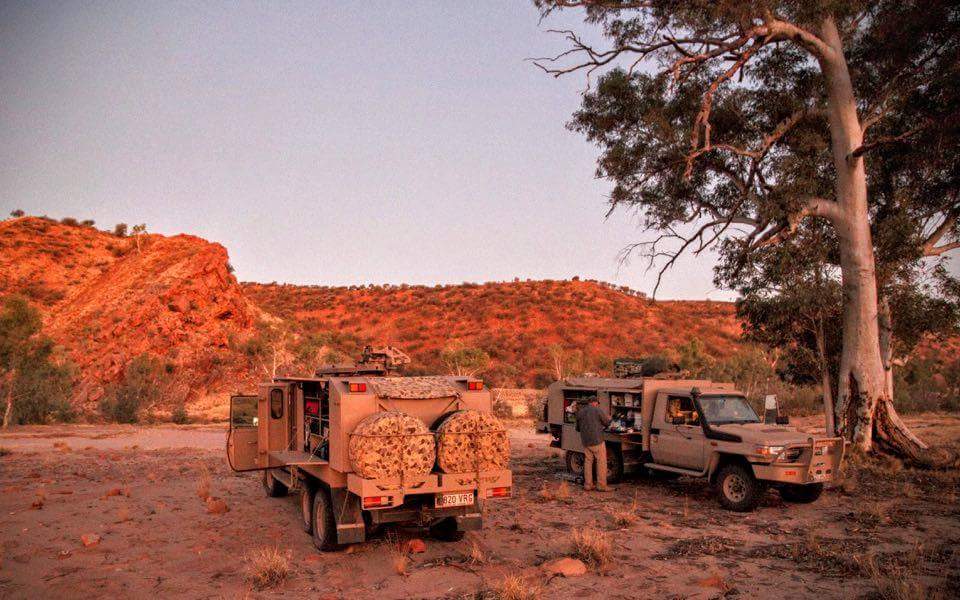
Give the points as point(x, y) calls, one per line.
point(454, 499)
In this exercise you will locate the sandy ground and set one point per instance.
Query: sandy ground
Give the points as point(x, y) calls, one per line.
point(895, 530)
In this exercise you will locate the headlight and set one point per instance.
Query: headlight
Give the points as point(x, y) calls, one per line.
point(769, 450)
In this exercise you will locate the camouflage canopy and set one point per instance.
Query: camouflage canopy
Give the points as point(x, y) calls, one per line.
point(414, 387)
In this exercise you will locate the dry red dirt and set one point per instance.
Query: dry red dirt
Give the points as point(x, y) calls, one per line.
point(135, 490)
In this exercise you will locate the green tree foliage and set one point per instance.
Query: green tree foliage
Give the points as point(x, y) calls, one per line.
point(141, 387)
point(729, 126)
point(461, 359)
point(35, 386)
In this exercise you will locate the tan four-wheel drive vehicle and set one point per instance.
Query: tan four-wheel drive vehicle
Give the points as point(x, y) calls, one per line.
point(697, 428)
point(363, 448)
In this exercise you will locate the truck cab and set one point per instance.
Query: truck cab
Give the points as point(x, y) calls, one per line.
point(715, 433)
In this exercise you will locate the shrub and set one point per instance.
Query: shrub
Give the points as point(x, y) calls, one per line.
point(180, 415)
point(16, 214)
point(88, 222)
point(139, 389)
point(70, 221)
point(40, 384)
point(267, 567)
point(120, 230)
point(592, 546)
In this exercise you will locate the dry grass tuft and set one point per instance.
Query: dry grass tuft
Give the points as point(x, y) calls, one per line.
point(561, 493)
point(399, 558)
point(899, 582)
point(400, 562)
point(513, 587)
point(267, 567)
point(625, 517)
point(203, 485)
point(592, 546)
point(477, 555)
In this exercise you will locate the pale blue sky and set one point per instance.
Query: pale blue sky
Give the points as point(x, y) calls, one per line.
point(320, 142)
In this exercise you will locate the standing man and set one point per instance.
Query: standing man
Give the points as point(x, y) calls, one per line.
point(591, 421)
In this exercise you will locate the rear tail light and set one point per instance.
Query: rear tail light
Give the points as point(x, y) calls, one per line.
point(474, 386)
point(498, 492)
point(358, 388)
point(375, 501)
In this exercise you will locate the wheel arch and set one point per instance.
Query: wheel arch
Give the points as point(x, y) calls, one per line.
point(718, 460)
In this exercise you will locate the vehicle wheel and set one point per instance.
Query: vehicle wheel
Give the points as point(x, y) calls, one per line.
point(273, 487)
point(739, 490)
point(446, 531)
point(614, 463)
point(801, 494)
point(324, 526)
point(306, 507)
point(575, 463)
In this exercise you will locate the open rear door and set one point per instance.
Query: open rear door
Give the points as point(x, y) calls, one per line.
point(243, 449)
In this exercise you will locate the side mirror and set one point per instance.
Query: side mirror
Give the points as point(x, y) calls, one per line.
point(677, 420)
point(783, 420)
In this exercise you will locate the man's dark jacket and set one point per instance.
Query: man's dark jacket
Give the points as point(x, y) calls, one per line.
point(590, 422)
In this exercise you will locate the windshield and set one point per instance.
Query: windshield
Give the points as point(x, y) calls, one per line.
point(719, 410)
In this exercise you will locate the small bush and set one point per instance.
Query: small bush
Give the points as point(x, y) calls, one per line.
point(512, 587)
point(120, 230)
point(16, 214)
point(139, 389)
point(88, 222)
point(180, 415)
point(592, 546)
point(70, 221)
point(267, 567)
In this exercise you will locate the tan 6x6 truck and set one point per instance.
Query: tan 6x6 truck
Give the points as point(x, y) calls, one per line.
point(297, 431)
point(696, 428)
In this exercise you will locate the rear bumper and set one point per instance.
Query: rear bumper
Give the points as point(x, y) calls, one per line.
point(435, 483)
point(469, 518)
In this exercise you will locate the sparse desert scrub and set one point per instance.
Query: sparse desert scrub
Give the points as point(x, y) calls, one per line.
point(561, 492)
point(624, 517)
point(900, 581)
point(477, 556)
point(512, 587)
point(592, 546)
point(399, 559)
point(203, 483)
point(267, 567)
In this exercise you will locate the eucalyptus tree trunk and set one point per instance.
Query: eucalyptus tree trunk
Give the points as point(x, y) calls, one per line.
point(828, 408)
point(864, 410)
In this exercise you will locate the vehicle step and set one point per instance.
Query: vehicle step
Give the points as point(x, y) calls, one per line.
point(657, 467)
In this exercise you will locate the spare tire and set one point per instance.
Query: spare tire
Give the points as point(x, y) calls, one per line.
point(471, 440)
point(391, 444)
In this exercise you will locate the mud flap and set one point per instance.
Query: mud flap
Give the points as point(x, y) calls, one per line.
point(348, 516)
point(469, 522)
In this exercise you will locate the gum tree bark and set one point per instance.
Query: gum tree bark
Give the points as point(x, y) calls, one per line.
point(864, 411)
